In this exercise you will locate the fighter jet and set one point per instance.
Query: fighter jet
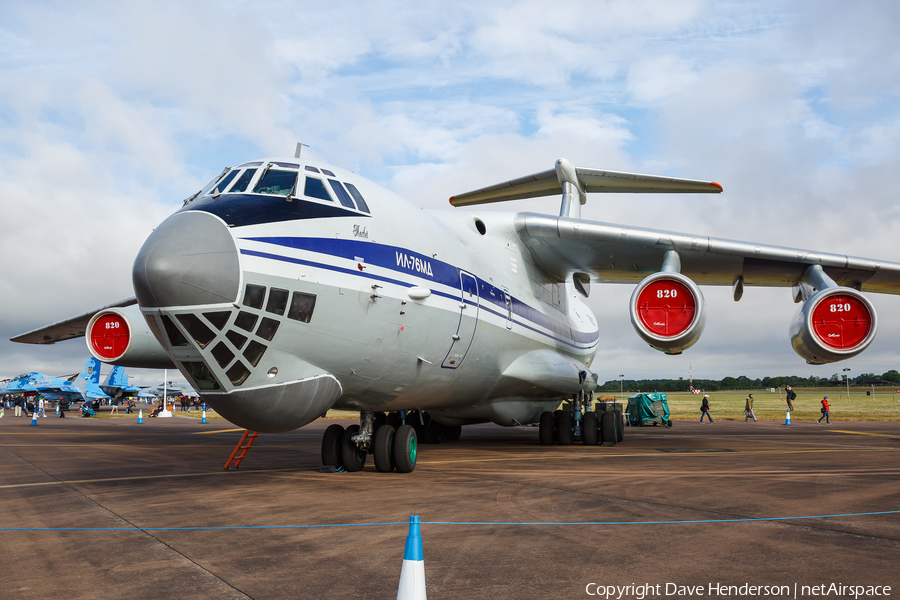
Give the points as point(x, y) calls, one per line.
point(288, 286)
point(58, 388)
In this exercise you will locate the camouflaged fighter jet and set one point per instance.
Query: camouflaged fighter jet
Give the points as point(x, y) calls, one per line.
point(287, 287)
point(58, 388)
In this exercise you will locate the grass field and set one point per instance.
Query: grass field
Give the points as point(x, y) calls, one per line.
point(729, 405)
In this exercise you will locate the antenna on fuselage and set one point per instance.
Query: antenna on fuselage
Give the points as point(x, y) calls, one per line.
point(299, 148)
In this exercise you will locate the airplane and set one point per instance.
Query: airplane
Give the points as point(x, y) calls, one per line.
point(116, 385)
point(288, 286)
point(58, 388)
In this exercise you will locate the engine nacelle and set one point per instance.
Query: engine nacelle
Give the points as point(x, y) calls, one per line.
point(668, 312)
point(834, 324)
point(121, 336)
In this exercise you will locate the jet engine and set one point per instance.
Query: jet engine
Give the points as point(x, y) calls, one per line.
point(667, 311)
point(834, 324)
point(121, 336)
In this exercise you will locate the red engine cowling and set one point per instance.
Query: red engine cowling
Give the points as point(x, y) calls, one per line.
point(120, 336)
point(668, 312)
point(834, 324)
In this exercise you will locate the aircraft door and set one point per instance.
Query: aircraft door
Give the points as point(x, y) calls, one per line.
point(468, 320)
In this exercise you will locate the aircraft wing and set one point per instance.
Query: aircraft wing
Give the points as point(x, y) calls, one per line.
point(611, 253)
point(67, 329)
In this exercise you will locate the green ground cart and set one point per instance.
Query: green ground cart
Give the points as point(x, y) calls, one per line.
point(648, 409)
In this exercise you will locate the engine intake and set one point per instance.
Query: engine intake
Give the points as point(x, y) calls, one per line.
point(668, 312)
point(121, 336)
point(833, 324)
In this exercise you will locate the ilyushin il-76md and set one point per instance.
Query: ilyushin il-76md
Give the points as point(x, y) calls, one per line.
point(287, 287)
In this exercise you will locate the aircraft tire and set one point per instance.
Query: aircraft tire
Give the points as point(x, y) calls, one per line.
point(384, 445)
point(608, 427)
point(352, 457)
point(590, 432)
point(331, 446)
point(545, 433)
point(452, 433)
point(620, 427)
point(405, 449)
point(566, 435)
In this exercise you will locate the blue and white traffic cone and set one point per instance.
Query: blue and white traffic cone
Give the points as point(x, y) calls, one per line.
point(412, 574)
point(57, 410)
point(203, 420)
point(34, 417)
point(787, 420)
point(140, 416)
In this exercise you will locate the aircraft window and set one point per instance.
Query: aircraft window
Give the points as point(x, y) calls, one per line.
point(237, 339)
point(341, 193)
point(243, 182)
point(277, 182)
point(277, 301)
point(254, 295)
point(245, 320)
point(254, 352)
point(358, 197)
point(201, 378)
point(202, 334)
point(302, 307)
point(222, 354)
point(267, 328)
point(173, 333)
point(294, 166)
point(209, 186)
point(222, 184)
point(329, 173)
point(316, 189)
point(313, 169)
point(238, 374)
point(248, 165)
point(218, 319)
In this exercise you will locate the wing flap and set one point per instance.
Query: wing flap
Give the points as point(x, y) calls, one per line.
point(67, 329)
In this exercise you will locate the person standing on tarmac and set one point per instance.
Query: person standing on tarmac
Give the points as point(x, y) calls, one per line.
point(748, 409)
point(790, 396)
point(704, 409)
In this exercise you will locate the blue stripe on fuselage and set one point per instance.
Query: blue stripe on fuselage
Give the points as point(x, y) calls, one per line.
point(404, 261)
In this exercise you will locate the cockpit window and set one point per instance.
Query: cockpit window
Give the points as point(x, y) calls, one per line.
point(222, 185)
point(243, 182)
point(277, 182)
point(341, 193)
point(358, 197)
point(316, 189)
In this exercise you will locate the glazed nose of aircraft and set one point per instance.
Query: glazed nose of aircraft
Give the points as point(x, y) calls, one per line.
point(189, 259)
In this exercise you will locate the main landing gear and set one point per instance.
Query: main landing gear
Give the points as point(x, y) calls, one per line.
point(576, 422)
point(392, 443)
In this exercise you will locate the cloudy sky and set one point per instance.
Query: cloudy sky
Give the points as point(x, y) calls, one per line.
point(112, 113)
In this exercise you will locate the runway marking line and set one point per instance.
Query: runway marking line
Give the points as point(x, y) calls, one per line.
point(137, 477)
point(887, 435)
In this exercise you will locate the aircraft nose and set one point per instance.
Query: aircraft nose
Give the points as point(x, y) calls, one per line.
point(189, 259)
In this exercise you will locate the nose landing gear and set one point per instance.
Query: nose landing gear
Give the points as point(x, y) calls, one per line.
point(392, 448)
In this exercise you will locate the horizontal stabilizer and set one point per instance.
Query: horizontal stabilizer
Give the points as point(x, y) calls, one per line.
point(549, 183)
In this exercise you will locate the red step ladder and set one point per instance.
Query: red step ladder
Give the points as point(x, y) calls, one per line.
point(249, 436)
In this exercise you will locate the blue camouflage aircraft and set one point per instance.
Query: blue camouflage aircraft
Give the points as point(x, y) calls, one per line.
point(58, 388)
point(116, 385)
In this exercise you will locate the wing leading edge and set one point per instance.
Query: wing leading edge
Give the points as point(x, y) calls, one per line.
point(613, 253)
point(67, 329)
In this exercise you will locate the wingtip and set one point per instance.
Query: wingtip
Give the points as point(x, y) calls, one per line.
point(718, 185)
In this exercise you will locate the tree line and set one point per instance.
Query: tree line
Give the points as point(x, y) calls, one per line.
point(890, 378)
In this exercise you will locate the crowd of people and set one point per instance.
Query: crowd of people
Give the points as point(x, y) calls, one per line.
point(37, 406)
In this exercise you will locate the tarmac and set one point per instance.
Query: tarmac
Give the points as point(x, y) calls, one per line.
point(108, 508)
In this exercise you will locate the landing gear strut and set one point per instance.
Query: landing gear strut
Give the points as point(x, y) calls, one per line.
point(392, 447)
point(577, 422)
